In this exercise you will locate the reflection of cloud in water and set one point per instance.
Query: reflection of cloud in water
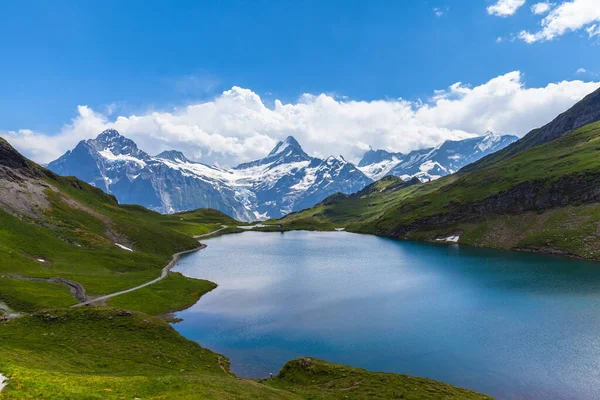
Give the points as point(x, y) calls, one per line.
point(476, 318)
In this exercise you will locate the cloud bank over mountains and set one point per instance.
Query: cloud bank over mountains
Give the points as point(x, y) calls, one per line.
point(238, 126)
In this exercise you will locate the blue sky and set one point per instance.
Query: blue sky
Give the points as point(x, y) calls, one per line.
point(125, 58)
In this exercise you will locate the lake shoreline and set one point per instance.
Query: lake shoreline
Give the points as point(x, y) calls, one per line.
point(549, 252)
point(214, 306)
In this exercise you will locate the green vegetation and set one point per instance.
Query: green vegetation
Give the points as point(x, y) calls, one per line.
point(113, 354)
point(191, 223)
point(175, 292)
point(342, 211)
point(30, 296)
point(317, 379)
point(74, 238)
point(548, 214)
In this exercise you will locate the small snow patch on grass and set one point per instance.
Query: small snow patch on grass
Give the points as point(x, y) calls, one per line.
point(42, 260)
point(123, 247)
point(3, 382)
point(453, 239)
point(250, 227)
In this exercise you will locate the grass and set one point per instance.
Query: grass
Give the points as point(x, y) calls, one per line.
point(76, 238)
point(111, 354)
point(175, 292)
point(317, 379)
point(30, 296)
point(108, 353)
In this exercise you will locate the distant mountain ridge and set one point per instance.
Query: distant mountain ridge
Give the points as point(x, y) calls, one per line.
point(287, 179)
point(435, 162)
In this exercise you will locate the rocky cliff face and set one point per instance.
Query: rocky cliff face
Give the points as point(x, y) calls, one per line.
point(538, 195)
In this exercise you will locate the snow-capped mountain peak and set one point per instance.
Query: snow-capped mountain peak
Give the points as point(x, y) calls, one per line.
point(435, 162)
point(288, 143)
point(286, 180)
point(285, 152)
point(112, 142)
point(108, 136)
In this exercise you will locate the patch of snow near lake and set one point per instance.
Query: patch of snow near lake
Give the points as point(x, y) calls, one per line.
point(42, 260)
point(250, 227)
point(340, 229)
point(453, 239)
point(3, 382)
point(123, 247)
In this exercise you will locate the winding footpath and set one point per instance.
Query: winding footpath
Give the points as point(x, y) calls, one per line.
point(162, 276)
point(77, 290)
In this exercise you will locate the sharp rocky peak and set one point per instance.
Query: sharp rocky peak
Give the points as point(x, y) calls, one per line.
point(108, 135)
point(375, 156)
point(173, 155)
point(286, 151)
point(289, 142)
point(116, 143)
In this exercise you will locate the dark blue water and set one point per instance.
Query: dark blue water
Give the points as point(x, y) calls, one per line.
point(512, 325)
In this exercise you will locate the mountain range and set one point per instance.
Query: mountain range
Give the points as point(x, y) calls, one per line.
point(284, 181)
point(435, 162)
point(540, 193)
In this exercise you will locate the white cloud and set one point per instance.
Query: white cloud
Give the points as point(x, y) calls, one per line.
point(502, 105)
point(593, 30)
point(236, 126)
point(541, 8)
point(581, 71)
point(569, 16)
point(438, 12)
point(505, 8)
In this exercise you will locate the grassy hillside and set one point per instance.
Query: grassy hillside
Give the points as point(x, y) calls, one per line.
point(116, 354)
point(60, 227)
point(544, 199)
point(58, 237)
point(74, 238)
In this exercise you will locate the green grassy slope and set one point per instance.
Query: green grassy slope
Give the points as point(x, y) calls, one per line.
point(115, 354)
point(317, 379)
point(543, 198)
point(61, 227)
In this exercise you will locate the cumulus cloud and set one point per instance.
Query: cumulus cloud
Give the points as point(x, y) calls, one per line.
point(541, 8)
point(568, 16)
point(581, 71)
point(237, 126)
point(505, 8)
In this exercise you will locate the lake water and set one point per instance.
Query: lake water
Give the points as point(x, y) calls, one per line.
point(511, 325)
